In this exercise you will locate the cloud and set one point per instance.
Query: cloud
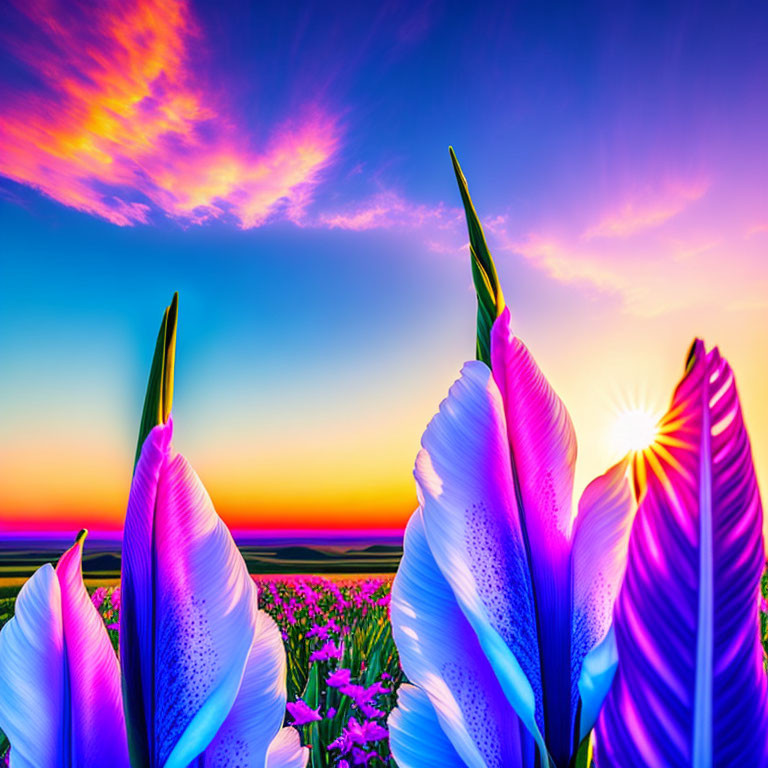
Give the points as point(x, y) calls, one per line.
point(389, 210)
point(649, 210)
point(687, 244)
point(654, 275)
point(121, 123)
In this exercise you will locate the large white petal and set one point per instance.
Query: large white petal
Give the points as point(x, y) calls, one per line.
point(416, 737)
point(473, 527)
point(598, 560)
point(257, 714)
point(189, 611)
point(440, 653)
point(286, 751)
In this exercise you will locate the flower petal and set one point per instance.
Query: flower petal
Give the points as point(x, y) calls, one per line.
point(598, 559)
point(542, 446)
point(137, 642)
point(93, 675)
point(286, 751)
point(257, 714)
point(32, 681)
point(415, 736)
point(441, 654)
point(189, 611)
point(691, 689)
point(472, 525)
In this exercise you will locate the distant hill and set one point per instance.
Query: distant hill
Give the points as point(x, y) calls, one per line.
point(102, 559)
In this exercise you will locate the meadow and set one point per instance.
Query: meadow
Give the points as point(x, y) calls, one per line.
point(343, 669)
point(342, 665)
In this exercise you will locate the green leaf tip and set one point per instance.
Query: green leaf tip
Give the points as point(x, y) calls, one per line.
point(690, 358)
point(490, 299)
point(80, 538)
point(159, 397)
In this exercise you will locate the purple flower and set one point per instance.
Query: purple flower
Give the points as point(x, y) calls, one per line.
point(343, 742)
point(339, 678)
point(114, 598)
point(329, 651)
point(370, 711)
point(361, 757)
point(363, 697)
point(317, 631)
point(376, 689)
point(302, 713)
point(331, 713)
point(368, 730)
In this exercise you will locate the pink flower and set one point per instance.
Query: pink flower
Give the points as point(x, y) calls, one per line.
point(302, 713)
point(362, 733)
point(97, 598)
point(361, 757)
point(339, 678)
point(329, 651)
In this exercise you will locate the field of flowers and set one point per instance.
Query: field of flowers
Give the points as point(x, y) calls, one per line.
point(343, 670)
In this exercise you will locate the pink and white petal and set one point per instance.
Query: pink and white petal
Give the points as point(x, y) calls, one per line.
point(441, 654)
point(415, 736)
point(257, 714)
point(541, 436)
point(96, 708)
point(33, 705)
point(137, 643)
point(286, 751)
point(473, 530)
point(188, 614)
point(206, 607)
point(598, 560)
point(542, 446)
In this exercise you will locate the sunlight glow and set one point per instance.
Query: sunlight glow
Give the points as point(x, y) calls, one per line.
point(634, 430)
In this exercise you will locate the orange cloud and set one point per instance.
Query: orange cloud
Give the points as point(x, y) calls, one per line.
point(122, 123)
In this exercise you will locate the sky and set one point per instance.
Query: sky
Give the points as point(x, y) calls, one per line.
point(285, 167)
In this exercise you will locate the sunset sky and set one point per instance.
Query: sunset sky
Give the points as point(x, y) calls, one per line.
point(285, 167)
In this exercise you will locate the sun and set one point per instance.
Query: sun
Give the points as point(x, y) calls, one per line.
point(634, 430)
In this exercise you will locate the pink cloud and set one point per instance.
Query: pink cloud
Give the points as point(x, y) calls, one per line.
point(648, 210)
point(681, 243)
point(653, 274)
point(388, 210)
point(124, 125)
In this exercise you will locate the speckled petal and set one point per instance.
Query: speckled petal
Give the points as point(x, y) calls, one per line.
point(441, 654)
point(189, 610)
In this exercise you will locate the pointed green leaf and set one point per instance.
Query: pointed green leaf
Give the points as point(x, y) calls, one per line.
point(159, 397)
point(490, 299)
